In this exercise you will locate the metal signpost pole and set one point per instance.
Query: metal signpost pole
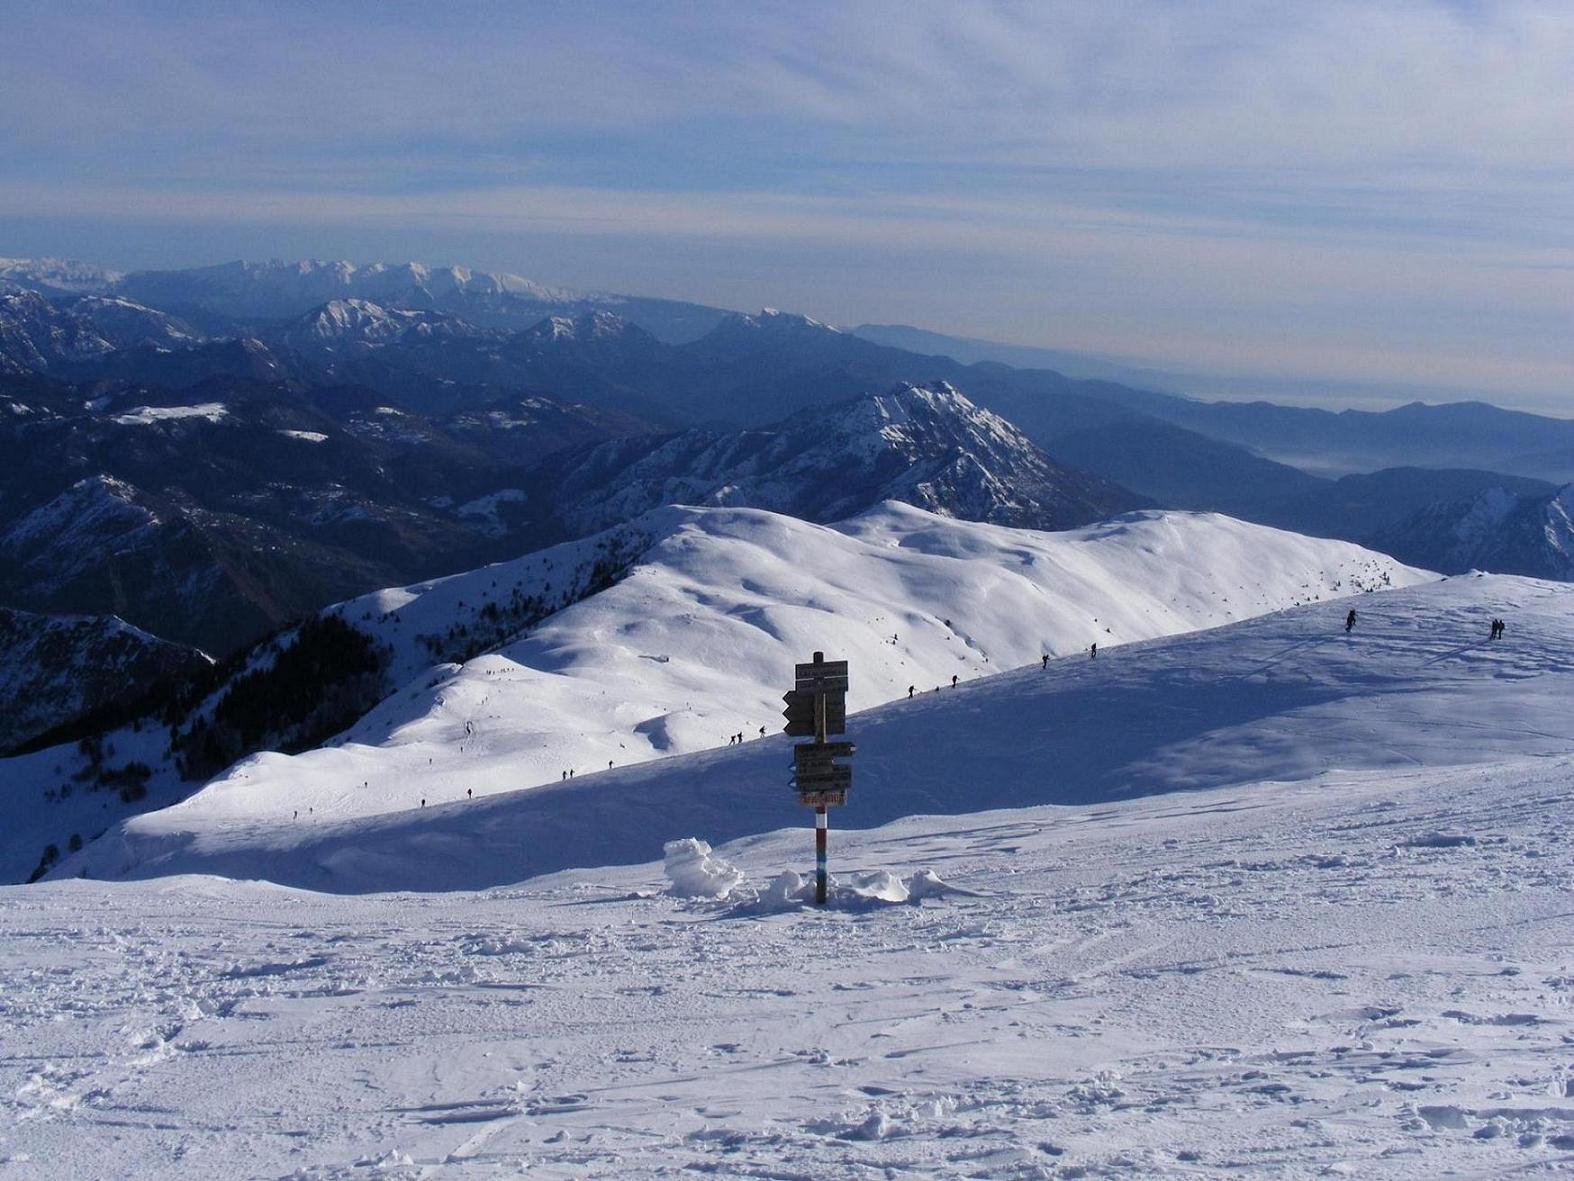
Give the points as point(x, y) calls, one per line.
point(822, 829)
point(822, 817)
point(816, 709)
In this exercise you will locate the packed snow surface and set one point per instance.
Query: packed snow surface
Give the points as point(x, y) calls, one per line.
point(1360, 975)
point(695, 644)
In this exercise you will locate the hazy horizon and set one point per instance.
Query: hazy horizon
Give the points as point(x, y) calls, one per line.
point(1367, 199)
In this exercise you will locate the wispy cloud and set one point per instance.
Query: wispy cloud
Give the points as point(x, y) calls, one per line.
point(1362, 186)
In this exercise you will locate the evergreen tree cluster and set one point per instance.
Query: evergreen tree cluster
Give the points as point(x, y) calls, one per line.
point(314, 687)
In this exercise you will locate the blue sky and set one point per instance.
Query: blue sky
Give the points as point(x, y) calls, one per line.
point(1377, 195)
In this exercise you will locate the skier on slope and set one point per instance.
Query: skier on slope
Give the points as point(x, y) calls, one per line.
point(1349, 620)
point(1093, 651)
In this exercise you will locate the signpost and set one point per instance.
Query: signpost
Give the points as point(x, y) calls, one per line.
point(817, 707)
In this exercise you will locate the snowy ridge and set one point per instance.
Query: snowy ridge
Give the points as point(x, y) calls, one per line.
point(41, 335)
point(690, 645)
point(64, 534)
point(1287, 697)
point(363, 325)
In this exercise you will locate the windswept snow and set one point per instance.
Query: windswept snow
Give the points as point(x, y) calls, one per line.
point(1254, 981)
point(695, 644)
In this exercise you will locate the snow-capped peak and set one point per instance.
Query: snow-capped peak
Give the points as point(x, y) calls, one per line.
point(588, 326)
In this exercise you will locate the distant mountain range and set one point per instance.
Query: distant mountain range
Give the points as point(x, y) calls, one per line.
point(243, 298)
point(210, 454)
point(213, 517)
point(670, 362)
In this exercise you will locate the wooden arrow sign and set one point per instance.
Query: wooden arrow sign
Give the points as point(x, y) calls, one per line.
point(800, 714)
point(824, 779)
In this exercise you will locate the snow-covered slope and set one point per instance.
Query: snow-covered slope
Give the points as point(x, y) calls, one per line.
point(692, 646)
point(1284, 698)
point(1310, 919)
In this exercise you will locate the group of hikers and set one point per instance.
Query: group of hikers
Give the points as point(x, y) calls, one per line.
point(911, 689)
point(1495, 634)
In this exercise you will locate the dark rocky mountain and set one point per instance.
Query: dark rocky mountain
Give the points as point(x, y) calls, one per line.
point(927, 446)
point(43, 336)
point(55, 669)
point(1455, 435)
point(439, 364)
point(1363, 507)
point(214, 515)
point(1494, 530)
point(1179, 468)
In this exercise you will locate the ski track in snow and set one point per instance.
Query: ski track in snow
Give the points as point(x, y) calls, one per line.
point(1358, 975)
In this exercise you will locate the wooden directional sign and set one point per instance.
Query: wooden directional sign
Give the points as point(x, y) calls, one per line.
point(823, 778)
point(822, 674)
point(822, 752)
point(815, 768)
point(817, 706)
point(828, 676)
point(800, 713)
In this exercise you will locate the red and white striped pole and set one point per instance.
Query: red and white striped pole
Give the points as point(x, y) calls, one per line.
point(822, 825)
